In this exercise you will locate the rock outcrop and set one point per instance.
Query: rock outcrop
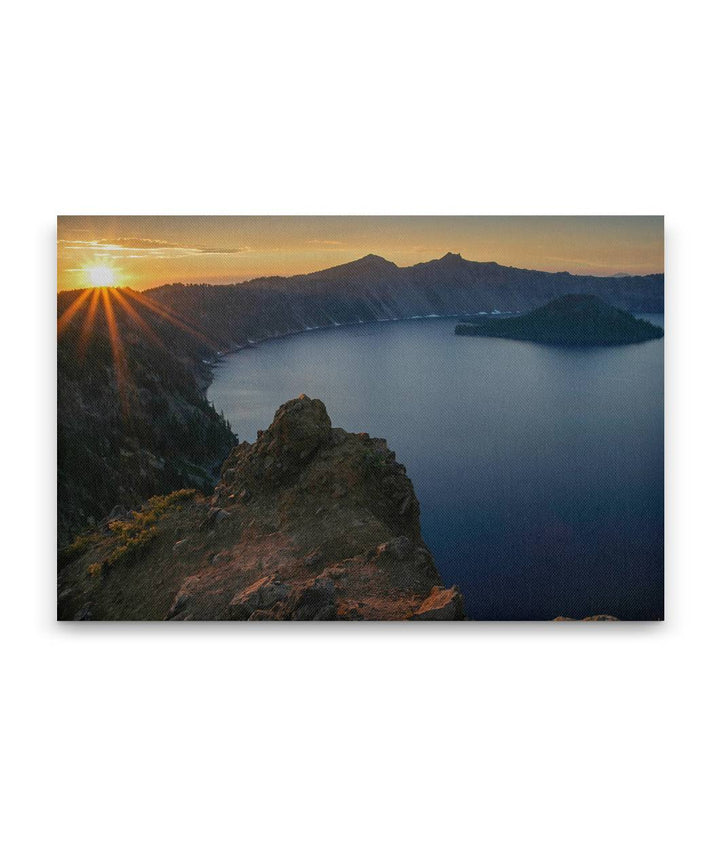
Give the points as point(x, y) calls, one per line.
point(440, 605)
point(308, 523)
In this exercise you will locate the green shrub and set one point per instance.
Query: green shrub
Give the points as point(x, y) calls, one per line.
point(131, 537)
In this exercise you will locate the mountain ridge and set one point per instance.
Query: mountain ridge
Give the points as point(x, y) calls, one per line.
point(217, 319)
point(448, 256)
point(375, 289)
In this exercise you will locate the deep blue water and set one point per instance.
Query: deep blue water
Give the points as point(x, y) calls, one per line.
point(539, 469)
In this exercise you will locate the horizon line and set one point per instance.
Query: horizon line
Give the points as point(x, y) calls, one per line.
point(618, 275)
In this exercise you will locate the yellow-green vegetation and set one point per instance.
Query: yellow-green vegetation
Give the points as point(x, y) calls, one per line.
point(131, 536)
point(77, 548)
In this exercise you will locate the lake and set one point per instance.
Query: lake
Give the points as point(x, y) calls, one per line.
point(539, 469)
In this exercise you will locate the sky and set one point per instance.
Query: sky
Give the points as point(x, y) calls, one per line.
point(143, 252)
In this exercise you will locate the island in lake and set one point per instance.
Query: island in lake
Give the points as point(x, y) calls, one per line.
point(575, 319)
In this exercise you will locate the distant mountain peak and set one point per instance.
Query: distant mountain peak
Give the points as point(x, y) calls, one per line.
point(373, 260)
point(447, 260)
point(369, 265)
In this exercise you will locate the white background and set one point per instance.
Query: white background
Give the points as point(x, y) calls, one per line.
point(501, 739)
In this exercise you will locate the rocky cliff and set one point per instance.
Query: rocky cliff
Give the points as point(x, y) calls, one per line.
point(307, 523)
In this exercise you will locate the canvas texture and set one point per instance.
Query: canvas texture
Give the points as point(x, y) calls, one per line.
point(360, 418)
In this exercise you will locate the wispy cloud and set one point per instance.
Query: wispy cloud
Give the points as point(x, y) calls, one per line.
point(145, 248)
point(327, 243)
point(585, 263)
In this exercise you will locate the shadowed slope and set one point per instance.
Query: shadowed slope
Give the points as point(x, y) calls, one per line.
point(372, 289)
point(132, 417)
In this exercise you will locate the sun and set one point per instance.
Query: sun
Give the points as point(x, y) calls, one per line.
point(101, 276)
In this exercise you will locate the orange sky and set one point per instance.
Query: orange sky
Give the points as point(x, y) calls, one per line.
point(144, 252)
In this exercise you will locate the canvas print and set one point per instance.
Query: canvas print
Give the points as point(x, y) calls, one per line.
point(360, 418)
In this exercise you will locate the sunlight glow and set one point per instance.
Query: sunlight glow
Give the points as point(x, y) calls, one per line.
point(101, 276)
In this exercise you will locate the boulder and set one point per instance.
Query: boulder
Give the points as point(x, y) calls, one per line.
point(262, 595)
point(215, 515)
point(313, 559)
point(316, 602)
point(178, 605)
point(299, 427)
point(441, 605)
point(399, 548)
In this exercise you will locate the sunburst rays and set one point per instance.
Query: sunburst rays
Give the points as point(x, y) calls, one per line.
point(72, 311)
point(136, 317)
point(88, 324)
point(118, 352)
point(172, 317)
point(128, 306)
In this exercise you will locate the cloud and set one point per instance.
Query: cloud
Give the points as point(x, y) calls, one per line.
point(597, 265)
point(146, 248)
point(327, 243)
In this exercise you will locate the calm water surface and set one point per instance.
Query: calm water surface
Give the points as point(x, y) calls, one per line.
point(539, 469)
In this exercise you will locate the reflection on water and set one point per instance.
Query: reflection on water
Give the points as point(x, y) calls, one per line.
point(539, 469)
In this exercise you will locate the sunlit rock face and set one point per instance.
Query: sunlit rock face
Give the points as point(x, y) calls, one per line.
point(308, 523)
